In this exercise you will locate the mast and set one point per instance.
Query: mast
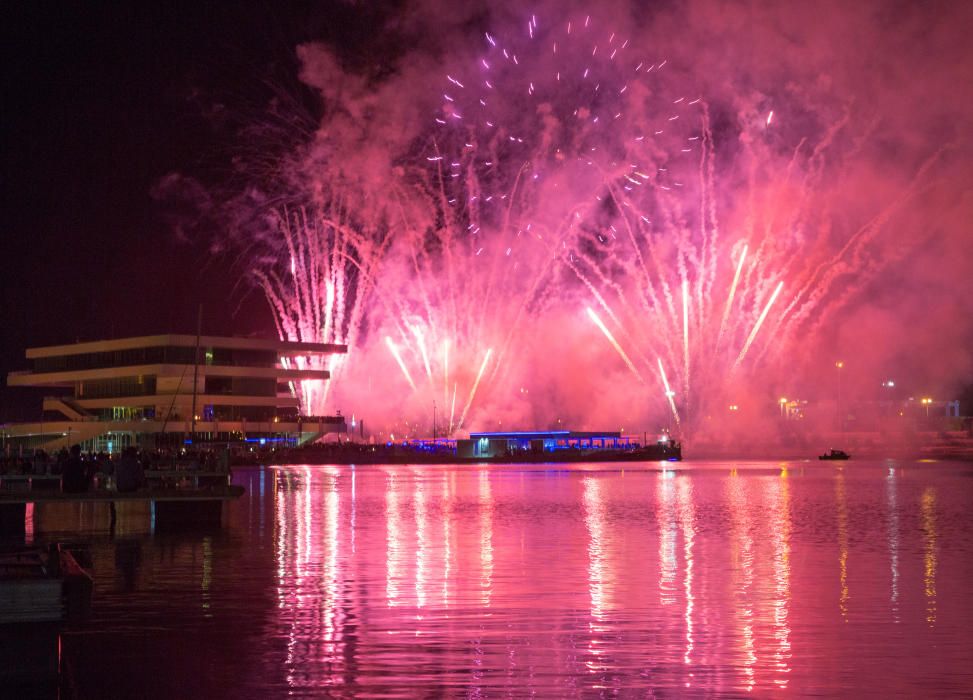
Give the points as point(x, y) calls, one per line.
point(199, 326)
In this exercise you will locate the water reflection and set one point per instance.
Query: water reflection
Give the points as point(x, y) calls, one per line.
point(841, 500)
point(394, 549)
point(594, 519)
point(331, 574)
point(742, 567)
point(598, 571)
point(29, 524)
point(308, 565)
point(447, 518)
point(207, 579)
point(687, 520)
point(929, 528)
point(781, 533)
point(486, 538)
point(891, 500)
point(354, 502)
point(580, 582)
point(422, 545)
point(668, 532)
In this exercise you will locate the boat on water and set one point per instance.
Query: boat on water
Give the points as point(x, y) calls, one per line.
point(42, 586)
point(41, 592)
point(531, 447)
point(835, 455)
point(565, 446)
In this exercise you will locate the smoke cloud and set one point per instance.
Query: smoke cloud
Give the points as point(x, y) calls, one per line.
point(493, 173)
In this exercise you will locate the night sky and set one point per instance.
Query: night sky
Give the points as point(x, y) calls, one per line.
point(101, 100)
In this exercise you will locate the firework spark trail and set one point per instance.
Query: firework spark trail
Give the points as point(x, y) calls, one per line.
point(308, 294)
point(452, 411)
point(497, 152)
point(797, 216)
point(478, 308)
point(798, 213)
point(535, 291)
point(650, 300)
point(709, 343)
point(330, 320)
point(398, 358)
point(729, 298)
point(824, 275)
point(665, 324)
point(446, 372)
point(685, 334)
point(705, 252)
point(821, 300)
point(472, 288)
point(707, 157)
point(757, 325)
point(611, 339)
point(646, 291)
point(422, 351)
point(476, 384)
point(670, 395)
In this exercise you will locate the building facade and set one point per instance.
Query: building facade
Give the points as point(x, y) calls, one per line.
point(165, 390)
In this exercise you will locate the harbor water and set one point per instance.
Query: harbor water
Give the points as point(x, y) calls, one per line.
point(627, 580)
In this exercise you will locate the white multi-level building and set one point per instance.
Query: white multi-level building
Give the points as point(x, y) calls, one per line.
point(147, 391)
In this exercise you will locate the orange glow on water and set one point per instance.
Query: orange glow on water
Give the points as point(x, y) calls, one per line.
point(929, 541)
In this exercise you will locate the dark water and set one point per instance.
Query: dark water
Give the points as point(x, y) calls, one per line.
point(717, 578)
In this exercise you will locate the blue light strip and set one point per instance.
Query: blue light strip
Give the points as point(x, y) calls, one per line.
point(525, 434)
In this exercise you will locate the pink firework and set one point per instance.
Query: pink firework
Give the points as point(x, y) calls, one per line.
point(568, 167)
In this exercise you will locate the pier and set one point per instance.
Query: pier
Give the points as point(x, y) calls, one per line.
point(174, 508)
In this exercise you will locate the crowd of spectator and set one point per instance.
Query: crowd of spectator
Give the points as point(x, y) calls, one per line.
point(124, 472)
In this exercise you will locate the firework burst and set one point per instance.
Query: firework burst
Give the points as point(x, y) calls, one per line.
point(569, 168)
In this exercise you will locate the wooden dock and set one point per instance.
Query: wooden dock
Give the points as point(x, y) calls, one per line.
point(174, 507)
point(153, 477)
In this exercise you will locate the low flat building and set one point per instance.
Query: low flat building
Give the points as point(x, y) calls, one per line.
point(498, 444)
point(143, 391)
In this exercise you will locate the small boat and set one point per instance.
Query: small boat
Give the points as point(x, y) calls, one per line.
point(41, 592)
point(38, 586)
point(835, 455)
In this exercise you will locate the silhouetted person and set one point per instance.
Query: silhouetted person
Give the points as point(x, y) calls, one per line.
point(128, 473)
point(91, 468)
point(74, 479)
point(62, 459)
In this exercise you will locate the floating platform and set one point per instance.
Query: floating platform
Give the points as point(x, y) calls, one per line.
point(175, 508)
point(518, 447)
point(396, 454)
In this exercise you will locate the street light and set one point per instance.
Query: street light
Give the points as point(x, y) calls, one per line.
point(841, 423)
point(926, 402)
point(783, 407)
point(889, 385)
